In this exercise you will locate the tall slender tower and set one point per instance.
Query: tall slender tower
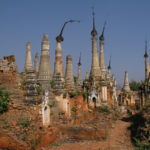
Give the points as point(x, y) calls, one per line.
point(28, 61)
point(36, 63)
point(30, 78)
point(69, 78)
point(79, 79)
point(101, 58)
point(45, 73)
point(95, 69)
point(58, 67)
point(109, 67)
point(146, 62)
point(126, 86)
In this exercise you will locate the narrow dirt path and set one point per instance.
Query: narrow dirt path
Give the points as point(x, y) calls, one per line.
point(118, 139)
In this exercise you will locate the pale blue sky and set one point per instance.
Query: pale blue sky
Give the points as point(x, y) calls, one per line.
point(128, 25)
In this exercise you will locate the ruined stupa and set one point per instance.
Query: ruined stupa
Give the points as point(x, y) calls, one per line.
point(69, 78)
point(30, 78)
point(28, 60)
point(45, 72)
point(126, 86)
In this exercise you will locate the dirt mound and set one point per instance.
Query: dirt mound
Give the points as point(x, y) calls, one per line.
point(7, 142)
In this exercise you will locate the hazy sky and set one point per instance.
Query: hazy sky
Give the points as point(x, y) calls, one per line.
point(128, 25)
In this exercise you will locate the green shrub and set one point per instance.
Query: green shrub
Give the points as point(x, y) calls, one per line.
point(52, 83)
point(103, 109)
point(35, 142)
point(145, 108)
point(39, 89)
point(4, 99)
point(141, 146)
point(24, 122)
point(129, 96)
point(74, 112)
point(73, 94)
point(85, 95)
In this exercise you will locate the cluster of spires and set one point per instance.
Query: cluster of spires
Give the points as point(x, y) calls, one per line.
point(43, 70)
point(98, 69)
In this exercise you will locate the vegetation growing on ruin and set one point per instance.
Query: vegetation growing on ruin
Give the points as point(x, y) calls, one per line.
point(52, 83)
point(75, 79)
point(24, 122)
point(104, 109)
point(85, 95)
point(74, 93)
point(39, 89)
point(74, 112)
point(4, 99)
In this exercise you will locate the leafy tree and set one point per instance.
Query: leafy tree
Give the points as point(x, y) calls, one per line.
point(4, 99)
point(134, 85)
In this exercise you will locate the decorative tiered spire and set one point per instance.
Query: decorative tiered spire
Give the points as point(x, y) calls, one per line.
point(58, 67)
point(45, 72)
point(146, 62)
point(145, 55)
point(79, 79)
point(60, 38)
point(79, 63)
point(93, 32)
point(101, 38)
point(102, 63)
point(109, 66)
point(95, 68)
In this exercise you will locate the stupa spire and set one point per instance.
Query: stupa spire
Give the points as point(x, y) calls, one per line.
point(146, 62)
point(45, 72)
point(95, 68)
point(28, 61)
point(109, 66)
point(126, 86)
point(58, 66)
point(69, 78)
point(36, 63)
point(102, 62)
point(79, 79)
point(93, 32)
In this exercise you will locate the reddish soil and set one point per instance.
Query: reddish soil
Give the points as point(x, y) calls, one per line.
point(118, 139)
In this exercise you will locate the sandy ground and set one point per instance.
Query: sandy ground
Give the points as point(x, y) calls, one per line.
point(118, 139)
